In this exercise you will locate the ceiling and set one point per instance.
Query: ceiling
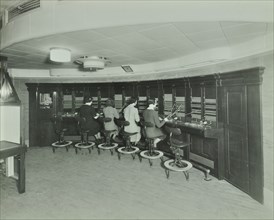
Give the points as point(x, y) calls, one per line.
point(138, 44)
point(134, 44)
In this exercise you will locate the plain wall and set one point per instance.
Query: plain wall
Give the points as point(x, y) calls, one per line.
point(10, 123)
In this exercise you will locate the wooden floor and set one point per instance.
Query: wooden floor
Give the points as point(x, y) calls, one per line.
point(91, 186)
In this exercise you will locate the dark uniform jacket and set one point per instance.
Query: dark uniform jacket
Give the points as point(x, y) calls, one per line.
point(91, 124)
point(153, 117)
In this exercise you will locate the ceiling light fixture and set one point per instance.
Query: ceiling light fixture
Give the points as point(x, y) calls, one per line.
point(93, 62)
point(60, 55)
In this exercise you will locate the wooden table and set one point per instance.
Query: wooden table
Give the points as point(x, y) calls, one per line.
point(10, 149)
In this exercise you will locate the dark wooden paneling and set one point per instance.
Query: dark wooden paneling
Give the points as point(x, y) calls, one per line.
point(236, 151)
point(196, 145)
point(238, 157)
point(255, 150)
point(33, 114)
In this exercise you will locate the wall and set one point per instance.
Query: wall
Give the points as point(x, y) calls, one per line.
point(267, 122)
point(267, 106)
point(23, 95)
point(10, 123)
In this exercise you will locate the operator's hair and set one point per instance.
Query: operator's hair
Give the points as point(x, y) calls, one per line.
point(88, 99)
point(151, 101)
point(131, 100)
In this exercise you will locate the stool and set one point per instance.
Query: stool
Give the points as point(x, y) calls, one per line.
point(127, 149)
point(177, 164)
point(85, 143)
point(108, 145)
point(60, 132)
point(151, 153)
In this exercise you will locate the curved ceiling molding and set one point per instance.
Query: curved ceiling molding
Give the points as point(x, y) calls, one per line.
point(65, 16)
point(152, 37)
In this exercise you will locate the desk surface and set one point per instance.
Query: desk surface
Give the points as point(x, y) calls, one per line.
point(202, 131)
point(4, 145)
point(8, 148)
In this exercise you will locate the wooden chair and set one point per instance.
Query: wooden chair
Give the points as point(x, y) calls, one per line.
point(176, 143)
point(108, 145)
point(128, 148)
point(151, 153)
point(84, 133)
point(57, 121)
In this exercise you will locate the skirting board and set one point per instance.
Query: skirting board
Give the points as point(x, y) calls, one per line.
point(202, 160)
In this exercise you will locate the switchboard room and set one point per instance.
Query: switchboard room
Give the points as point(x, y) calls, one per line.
point(171, 112)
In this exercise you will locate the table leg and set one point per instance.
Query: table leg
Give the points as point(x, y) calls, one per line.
point(21, 173)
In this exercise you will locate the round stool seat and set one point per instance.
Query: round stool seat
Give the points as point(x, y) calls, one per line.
point(84, 145)
point(108, 131)
point(104, 146)
point(61, 144)
point(169, 164)
point(128, 134)
point(178, 143)
point(130, 150)
point(155, 155)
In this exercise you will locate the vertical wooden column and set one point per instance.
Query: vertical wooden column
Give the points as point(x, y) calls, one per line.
point(99, 98)
point(111, 91)
point(33, 114)
point(148, 92)
point(187, 99)
point(173, 94)
point(202, 102)
point(123, 96)
point(73, 99)
point(160, 97)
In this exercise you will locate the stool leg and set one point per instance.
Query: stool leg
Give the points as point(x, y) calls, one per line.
point(186, 175)
point(140, 158)
point(119, 156)
point(53, 149)
point(162, 159)
point(150, 162)
point(167, 173)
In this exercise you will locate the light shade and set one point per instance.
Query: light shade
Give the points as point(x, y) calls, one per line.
point(61, 55)
point(96, 64)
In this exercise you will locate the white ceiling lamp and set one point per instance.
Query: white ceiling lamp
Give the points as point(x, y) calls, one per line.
point(93, 62)
point(60, 55)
